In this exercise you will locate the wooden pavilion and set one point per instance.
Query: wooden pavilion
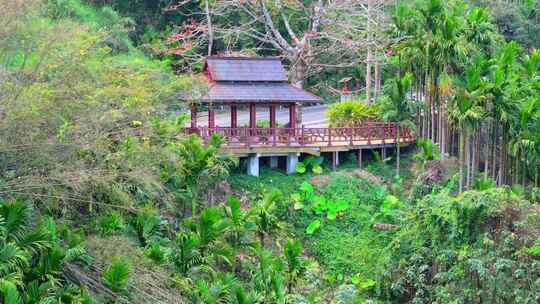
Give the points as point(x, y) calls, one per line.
point(254, 82)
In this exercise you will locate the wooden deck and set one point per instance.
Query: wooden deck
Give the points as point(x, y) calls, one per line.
point(243, 141)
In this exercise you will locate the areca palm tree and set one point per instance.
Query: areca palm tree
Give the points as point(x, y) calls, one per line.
point(266, 217)
point(201, 166)
point(465, 112)
point(399, 109)
point(31, 257)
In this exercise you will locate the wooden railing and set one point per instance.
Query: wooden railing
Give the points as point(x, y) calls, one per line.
point(367, 133)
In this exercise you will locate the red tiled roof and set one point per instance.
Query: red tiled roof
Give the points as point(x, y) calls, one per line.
point(268, 69)
point(257, 92)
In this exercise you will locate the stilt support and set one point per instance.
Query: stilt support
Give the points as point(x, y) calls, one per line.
point(274, 162)
point(334, 160)
point(253, 165)
point(292, 161)
point(359, 158)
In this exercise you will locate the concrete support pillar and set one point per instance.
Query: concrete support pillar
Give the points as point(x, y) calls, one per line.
point(292, 161)
point(337, 158)
point(334, 160)
point(359, 158)
point(383, 153)
point(274, 162)
point(253, 165)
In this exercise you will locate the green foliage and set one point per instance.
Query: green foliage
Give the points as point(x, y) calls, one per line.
point(117, 275)
point(311, 162)
point(449, 240)
point(348, 245)
point(146, 224)
point(427, 151)
point(156, 253)
point(484, 184)
point(351, 112)
point(32, 256)
point(295, 264)
point(111, 222)
point(391, 210)
point(201, 165)
point(312, 202)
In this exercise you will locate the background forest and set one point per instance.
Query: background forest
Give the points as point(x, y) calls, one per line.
point(104, 200)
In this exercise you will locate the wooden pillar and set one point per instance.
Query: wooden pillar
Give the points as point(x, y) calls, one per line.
point(234, 116)
point(359, 157)
point(211, 116)
point(194, 117)
point(292, 116)
point(273, 116)
point(252, 116)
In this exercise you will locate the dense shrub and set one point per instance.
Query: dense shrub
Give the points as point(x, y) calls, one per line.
point(351, 112)
point(463, 249)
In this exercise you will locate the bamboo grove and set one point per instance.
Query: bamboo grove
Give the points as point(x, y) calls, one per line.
point(477, 95)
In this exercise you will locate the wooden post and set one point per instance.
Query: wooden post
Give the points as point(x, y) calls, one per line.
point(252, 120)
point(234, 116)
point(292, 116)
point(329, 136)
point(359, 157)
point(211, 117)
point(273, 123)
point(302, 136)
point(273, 116)
point(193, 117)
point(252, 116)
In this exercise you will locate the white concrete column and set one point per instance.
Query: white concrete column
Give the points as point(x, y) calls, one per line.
point(292, 161)
point(337, 158)
point(253, 165)
point(274, 162)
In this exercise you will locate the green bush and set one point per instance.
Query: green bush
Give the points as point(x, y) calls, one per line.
point(117, 275)
point(111, 222)
point(350, 112)
point(464, 248)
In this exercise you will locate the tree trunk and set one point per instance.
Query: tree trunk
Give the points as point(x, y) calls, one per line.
point(369, 51)
point(536, 175)
point(494, 141)
point(442, 127)
point(210, 27)
point(468, 160)
point(368, 75)
point(524, 173)
point(474, 157)
point(488, 151)
point(503, 160)
point(398, 152)
point(477, 150)
point(461, 158)
point(377, 80)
